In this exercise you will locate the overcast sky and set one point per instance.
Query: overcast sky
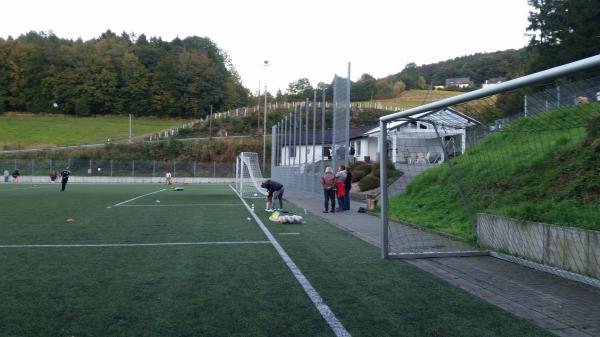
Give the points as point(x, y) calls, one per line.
point(310, 38)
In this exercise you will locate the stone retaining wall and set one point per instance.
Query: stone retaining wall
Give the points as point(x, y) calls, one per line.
point(571, 249)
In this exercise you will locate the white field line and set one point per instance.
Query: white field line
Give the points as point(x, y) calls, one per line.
point(312, 293)
point(178, 205)
point(119, 245)
point(289, 233)
point(141, 196)
point(24, 188)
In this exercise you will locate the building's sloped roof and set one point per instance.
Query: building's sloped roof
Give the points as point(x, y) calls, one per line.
point(446, 117)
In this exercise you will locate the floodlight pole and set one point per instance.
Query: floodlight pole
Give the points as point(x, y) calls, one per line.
point(265, 132)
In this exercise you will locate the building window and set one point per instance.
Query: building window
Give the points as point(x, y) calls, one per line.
point(357, 145)
point(327, 152)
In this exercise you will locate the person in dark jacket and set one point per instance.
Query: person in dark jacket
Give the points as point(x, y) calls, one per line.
point(276, 189)
point(347, 187)
point(65, 177)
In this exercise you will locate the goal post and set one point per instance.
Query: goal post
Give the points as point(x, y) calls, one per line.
point(248, 176)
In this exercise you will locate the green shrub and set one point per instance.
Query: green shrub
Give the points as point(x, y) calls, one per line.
point(375, 173)
point(357, 175)
point(368, 183)
point(593, 132)
point(360, 166)
point(375, 165)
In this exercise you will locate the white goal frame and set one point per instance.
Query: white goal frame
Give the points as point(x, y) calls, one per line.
point(248, 176)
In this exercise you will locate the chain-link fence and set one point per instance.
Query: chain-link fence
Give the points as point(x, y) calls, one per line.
point(309, 139)
point(514, 169)
point(118, 168)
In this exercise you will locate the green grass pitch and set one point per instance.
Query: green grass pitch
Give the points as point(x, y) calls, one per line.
point(194, 265)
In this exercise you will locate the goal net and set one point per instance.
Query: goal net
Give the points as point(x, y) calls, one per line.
point(248, 176)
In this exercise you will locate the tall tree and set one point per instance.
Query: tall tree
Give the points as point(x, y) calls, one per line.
point(562, 31)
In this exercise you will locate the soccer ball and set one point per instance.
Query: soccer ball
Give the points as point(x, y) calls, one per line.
point(99, 169)
point(158, 201)
point(256, 194)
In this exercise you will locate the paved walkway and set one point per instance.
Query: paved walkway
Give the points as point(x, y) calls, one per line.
point(564, 307)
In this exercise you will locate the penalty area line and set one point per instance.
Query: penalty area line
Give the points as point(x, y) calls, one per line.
point(141, 196)
point(326, 312)
point(120, 245)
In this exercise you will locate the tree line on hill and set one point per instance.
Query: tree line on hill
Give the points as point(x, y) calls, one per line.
point(112, 74)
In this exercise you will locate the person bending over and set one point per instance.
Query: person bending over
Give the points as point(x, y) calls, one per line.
point(276, 189)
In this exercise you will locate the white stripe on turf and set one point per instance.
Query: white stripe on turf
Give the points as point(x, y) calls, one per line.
point(141, 196)
point(179, 205)
point(23, 188)
point(136, 244)
point(312, 293)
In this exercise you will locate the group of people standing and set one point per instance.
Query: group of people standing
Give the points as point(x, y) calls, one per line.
point(16, 175)
point(65, 173)
point(336, 186)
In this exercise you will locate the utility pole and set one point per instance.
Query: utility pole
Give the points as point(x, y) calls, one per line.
point(129, 128)
point(210, 124)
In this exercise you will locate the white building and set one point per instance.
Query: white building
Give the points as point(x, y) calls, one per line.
point(460, 82)
point(493, 81)
point(300, 151)
point(416, 141)
point(412, 141)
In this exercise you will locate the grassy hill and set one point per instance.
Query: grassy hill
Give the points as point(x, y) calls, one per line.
point(543, 168)
point(31, 131)
point(411, 98)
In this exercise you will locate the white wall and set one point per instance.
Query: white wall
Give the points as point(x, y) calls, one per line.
point(303, 153)
point(124, 180)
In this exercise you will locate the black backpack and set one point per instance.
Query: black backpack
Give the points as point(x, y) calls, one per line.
point(348, 181)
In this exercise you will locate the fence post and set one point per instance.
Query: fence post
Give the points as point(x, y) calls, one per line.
point(214, 169)
point(314, 140)
point(323, 130)
point(111, 167)
point(195, 161)
point(32, 168)
point(384, 187)
point(133, 168)
point(154, 168)
point(174, 163)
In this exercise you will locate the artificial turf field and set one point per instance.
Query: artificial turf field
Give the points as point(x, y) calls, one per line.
point(197, 263)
